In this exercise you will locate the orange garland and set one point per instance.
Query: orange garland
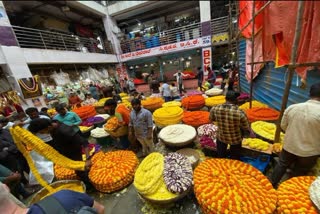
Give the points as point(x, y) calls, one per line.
point(196, 118)
point(262, 113)
point(112, 171)
point(112, 124)
point(193, 102)
point(62, 173)
point(293, 196)
point(84, 112)
point(152, 103)
point(231, 186)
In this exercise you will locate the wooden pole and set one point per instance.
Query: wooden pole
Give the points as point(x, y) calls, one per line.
point(291, 67)
point(253, 17)
point(237, 46)
point(252, 52)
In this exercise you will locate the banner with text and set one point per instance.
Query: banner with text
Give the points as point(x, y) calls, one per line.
point(206, 59)
point(174, 47)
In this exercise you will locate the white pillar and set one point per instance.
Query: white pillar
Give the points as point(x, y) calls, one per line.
point(205, 11)
point(112, 30)
point(16, 68)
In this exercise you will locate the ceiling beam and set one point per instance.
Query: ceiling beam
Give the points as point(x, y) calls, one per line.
point(158, 12)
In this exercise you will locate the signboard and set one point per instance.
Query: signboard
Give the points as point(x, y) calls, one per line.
point(174, 47)
point(206, 59)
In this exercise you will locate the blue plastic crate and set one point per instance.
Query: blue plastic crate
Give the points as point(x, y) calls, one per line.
point(261, 162)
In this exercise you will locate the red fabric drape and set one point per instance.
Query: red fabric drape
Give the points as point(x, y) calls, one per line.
point(246, 15)
point(278, 30)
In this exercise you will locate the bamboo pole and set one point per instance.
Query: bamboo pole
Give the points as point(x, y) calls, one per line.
point(252, 52)
point(291, 67)
point(253, 17)
point(237, 46)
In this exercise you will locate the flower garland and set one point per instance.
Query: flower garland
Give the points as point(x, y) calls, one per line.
point(216, 100)
point(34, 87)
point(195, 118)
point(293, 196)
point(167, 116)
point(266, 130)
point(112, 171)
point(231, 186)
point(193, 102)
point(262, 113)
point(254, 103)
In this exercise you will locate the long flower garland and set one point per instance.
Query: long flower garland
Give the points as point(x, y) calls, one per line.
point(23, 137)
point(34, 87)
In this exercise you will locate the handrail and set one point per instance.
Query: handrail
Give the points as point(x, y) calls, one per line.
point(183, 33)
point(44, 39)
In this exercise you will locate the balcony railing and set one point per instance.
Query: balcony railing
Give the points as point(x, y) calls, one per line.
point(34, 38)
point(219, 25)
point(193, 31)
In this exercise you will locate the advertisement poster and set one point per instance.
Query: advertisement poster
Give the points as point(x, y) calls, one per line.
point(30, 87)
point(206, 59)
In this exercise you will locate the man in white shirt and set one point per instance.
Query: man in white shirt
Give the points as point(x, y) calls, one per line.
point(165, 91)
point(301, 146)
point(179, 76)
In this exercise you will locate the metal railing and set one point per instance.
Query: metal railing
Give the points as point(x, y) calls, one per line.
point(219, 25)
point(34, 38)
point(192, 31)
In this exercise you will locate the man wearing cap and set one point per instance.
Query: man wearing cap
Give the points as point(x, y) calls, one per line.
point(233, 125)
point(141, 125)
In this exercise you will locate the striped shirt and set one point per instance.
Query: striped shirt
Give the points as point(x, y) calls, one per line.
point(232, 123)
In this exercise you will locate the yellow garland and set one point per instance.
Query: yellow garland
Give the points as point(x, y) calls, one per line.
point(26, 137)
point(216, 100)
point(255, 103)
point(168, 116)
point(266, 130)
point(147, 179)
point(256, 143)
point(25, 153)
point(123, 94)
point(172, 104)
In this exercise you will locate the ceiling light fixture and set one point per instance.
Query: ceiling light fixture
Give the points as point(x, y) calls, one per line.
point(145, 65)
point(170, 62)
point(151, 65)
point(164, 63)
point(137, 66)
point(189, 57)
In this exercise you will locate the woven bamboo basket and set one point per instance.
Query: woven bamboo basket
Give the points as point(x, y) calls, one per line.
point(191, 153)
point(58, 184)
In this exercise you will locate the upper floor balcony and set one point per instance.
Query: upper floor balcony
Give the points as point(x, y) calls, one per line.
point(180, 34)
point(41, 39)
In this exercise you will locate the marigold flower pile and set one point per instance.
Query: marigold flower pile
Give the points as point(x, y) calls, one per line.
point(254, 103)
point(194, 102)
point(167, 116)
point(195, 118)
point(230, 186)
point(62, 173)
point(84, 112)
point(152, 103)
point(266, 130)
point(216, 100)
point(262, 113)
point(112, 171)
point(293, 196)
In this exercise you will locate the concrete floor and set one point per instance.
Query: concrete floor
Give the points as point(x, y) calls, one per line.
point(128, 201)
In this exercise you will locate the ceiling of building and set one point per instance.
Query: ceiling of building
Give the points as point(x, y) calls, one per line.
point(20, 11)
point(155, 10)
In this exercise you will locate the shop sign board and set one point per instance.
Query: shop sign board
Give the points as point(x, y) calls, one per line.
point(170, 48)
point(206, 59)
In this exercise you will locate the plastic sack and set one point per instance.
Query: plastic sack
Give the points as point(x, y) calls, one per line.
point(44, 167)
point(314, 192)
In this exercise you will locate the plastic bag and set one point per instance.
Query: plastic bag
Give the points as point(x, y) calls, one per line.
point(44, 167)
point(314, 191)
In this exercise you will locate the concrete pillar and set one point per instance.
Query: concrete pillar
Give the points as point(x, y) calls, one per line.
point(205, 11)
point(7, 37)
point(16, 68)
point(112, 30)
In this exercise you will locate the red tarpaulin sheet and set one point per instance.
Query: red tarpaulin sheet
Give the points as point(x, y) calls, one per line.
point(278, 29)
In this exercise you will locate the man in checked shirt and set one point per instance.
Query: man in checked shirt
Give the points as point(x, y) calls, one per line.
point(233, 125)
